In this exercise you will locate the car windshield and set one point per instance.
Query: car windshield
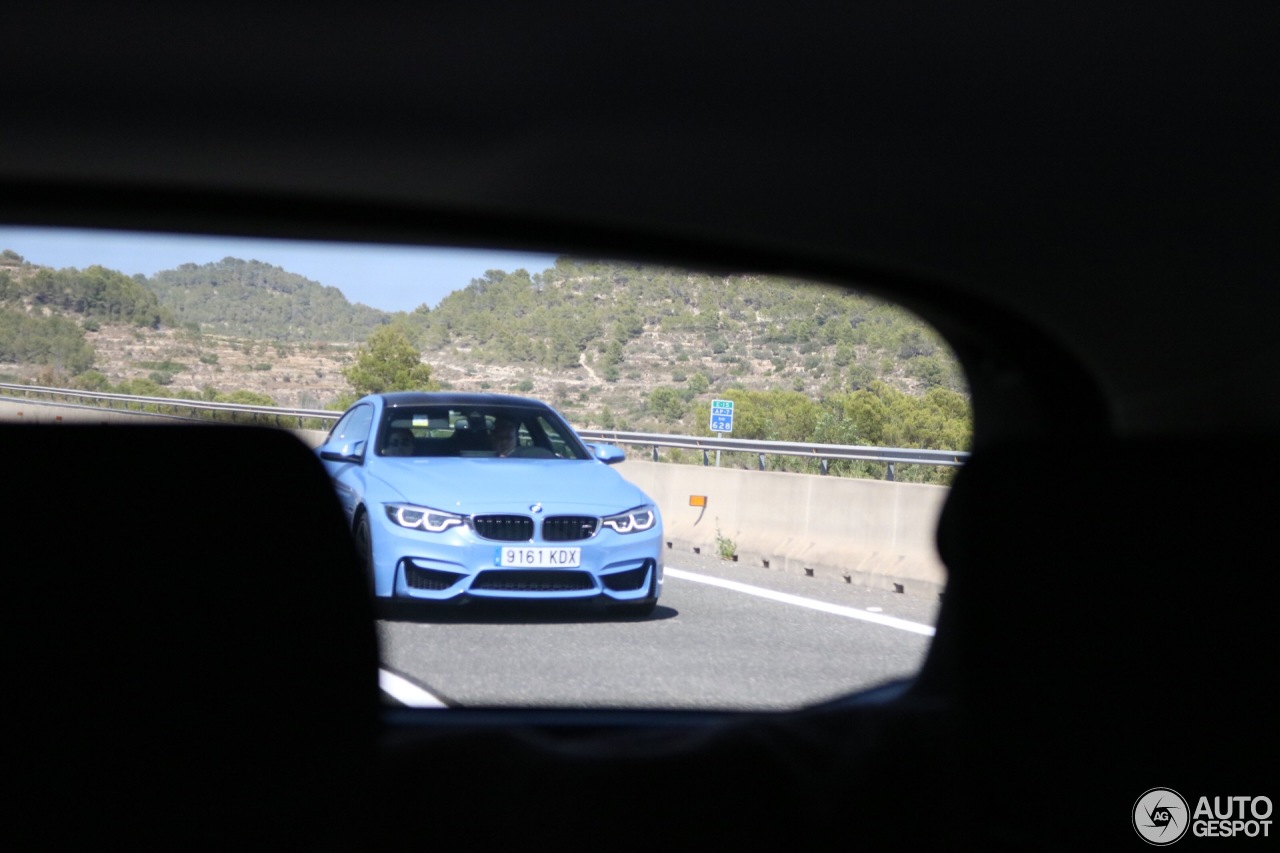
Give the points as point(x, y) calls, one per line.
point(477, 431)
point(621, 485)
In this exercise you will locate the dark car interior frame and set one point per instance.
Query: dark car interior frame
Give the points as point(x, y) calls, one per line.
point(1084, 200)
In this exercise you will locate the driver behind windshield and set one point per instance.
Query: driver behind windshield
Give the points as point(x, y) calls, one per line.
point(399, 443)
point(504, 436)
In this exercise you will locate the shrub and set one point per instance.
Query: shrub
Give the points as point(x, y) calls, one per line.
point(725, 547)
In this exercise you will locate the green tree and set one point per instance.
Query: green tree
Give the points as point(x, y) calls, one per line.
point(666, 403)
point(767, 415)
point(388, 361)
point(91, 380)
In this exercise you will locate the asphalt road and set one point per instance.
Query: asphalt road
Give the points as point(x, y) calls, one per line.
point(767, 641)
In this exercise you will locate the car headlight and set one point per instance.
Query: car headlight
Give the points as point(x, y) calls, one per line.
point(632, 521)
point(422, 517)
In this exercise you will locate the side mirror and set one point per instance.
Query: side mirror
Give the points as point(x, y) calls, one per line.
point(609, 454)
point(353, 452)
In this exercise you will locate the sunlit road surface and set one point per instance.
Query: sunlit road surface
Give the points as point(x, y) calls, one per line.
point(725, 637)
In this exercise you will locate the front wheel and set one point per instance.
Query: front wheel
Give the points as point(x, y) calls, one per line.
point(364, 547)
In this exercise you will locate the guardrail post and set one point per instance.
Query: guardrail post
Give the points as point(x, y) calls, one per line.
point(823, 465)
point(655, 453)
point(706, 460)
point(761, 461)
point(888, 473)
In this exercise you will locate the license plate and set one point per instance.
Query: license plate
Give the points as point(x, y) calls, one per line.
point(540, 558)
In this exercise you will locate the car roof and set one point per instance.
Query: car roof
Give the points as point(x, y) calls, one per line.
point(457, 398)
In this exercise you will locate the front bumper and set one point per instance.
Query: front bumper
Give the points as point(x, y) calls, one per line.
point(458, 565)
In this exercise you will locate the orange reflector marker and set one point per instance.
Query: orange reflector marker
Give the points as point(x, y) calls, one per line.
point(697, 500)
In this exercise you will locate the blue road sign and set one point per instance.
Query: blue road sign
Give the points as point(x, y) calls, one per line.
point(722, 416)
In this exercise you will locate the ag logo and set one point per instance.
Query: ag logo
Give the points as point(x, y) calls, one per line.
point(1161, 816)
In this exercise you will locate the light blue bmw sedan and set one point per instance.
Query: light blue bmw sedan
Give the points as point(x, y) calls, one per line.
point(456, 497)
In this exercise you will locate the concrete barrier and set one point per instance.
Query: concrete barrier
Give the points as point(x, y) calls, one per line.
point(35, 412)
point(867, 532)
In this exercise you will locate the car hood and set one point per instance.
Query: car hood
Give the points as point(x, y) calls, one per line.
point(509, 485)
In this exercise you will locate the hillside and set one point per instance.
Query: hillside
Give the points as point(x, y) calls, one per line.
point(612, 345)
point(601, 338)
point(251, 299)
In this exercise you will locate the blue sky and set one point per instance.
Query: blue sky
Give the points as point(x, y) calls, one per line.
point(388, 277)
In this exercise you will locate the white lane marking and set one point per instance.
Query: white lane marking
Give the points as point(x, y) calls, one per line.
point(812, 604)
point(406, 691)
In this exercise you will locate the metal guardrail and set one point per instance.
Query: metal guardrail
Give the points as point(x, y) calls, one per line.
point(162, 405)
point(824, 453)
